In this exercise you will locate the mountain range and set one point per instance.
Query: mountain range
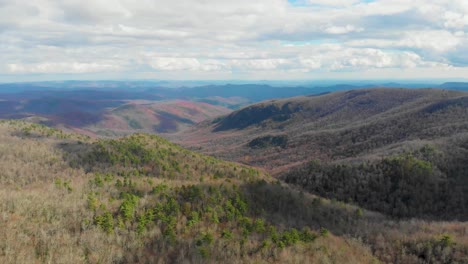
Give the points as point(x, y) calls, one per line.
point(338, 174)
point(94, 107)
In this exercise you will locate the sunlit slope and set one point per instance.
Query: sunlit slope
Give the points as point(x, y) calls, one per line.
point(67, 198)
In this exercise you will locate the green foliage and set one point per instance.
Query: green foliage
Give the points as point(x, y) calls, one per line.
point(63, 184)
point(105, 221)
point(98, 180)
point(92, 201)
point(227, 234)
point(128, 206)
point(446, 240)
point(150, 155)
point(193, 219)
point(34, 129)
point(205, 239)
point(307, 235)
point(118, 183)
point(291, 237)
point(210, 211)
point(324, 232)
point(214, 217)
point(159, 188)
point(259, 226)
point(58, 183)
point(144, 219)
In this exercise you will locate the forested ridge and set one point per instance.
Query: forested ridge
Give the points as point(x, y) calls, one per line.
point(280, 134)
point(69, 198)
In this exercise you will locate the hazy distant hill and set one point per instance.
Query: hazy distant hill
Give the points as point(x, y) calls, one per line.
point(94, 107)
point(155, 117)
point(144, 90)
point(87, 106)
point(461, 86)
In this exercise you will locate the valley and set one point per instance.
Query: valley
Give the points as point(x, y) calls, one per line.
point(110, 109)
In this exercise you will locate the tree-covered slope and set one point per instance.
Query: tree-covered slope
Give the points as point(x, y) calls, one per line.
point(400, 152)
point(332, 126)
point(426, 183)
point(67, 198)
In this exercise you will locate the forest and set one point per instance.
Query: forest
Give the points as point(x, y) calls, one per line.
point(141, 199)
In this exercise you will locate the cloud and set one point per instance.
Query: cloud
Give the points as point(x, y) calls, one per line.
point(231, 38)
point(342, 30)
point(333, 3)
point(74, 67)
point(172, 64)
point(454, 20)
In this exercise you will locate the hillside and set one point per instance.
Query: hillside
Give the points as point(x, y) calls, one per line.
point(331, 126)
point(67, 198)
point(154, 117)
point(353, 128)
point(110, 109)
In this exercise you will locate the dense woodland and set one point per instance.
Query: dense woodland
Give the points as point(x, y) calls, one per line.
point(427, 183)
point(66, 198)
point(69, 198)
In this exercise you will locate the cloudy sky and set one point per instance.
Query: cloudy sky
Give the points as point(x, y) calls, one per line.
point(233, 39)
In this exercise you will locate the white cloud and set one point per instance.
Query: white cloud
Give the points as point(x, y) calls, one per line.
point(230, 37)
point(172, 64)
point(335, 3)
point(342, 30)
point(455, 20)
point(438, 40)
point(61, 68)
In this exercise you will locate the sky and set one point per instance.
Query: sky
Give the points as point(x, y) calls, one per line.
point(226, 39)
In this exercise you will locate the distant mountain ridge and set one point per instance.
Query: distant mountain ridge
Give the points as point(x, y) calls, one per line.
point(93, 107)
point(88, 105)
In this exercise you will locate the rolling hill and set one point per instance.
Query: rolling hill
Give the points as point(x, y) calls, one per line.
point(154, 117)
point(331, 126)
point(120, 108)
point(346, 145)
point(360, 176)
point(68, 198)
point(112, 108)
